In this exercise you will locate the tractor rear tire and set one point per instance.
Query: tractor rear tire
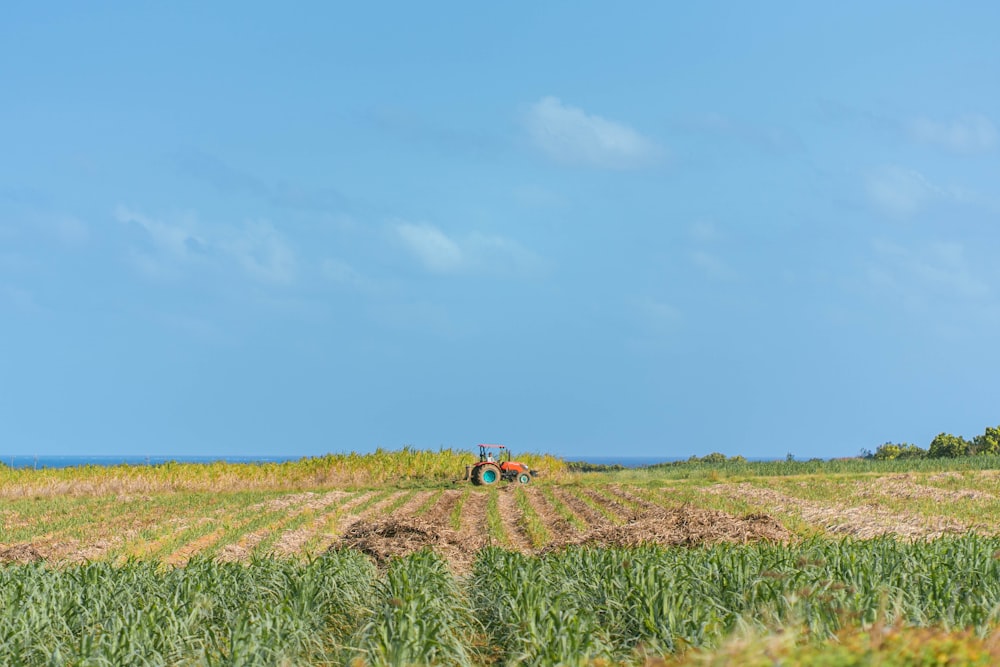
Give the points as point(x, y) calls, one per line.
point(524, 478)
point(486, 475)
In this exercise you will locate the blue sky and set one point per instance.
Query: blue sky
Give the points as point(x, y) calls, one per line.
point(648, 229)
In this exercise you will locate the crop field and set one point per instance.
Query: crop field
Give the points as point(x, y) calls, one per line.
point(237, 565)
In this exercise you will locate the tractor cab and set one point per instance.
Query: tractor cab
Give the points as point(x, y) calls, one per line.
point(486, 454)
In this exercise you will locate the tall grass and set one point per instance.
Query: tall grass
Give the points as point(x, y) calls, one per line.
point(405, 466)
point(569, 607)
point(853, 466)
point(421, 618)
point(273, 612)
point(584, 604)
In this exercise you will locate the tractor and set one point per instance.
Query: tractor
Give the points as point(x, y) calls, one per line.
point(491, 468)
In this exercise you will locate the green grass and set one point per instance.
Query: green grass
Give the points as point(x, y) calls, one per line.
point(852, 466)
point(494, 521)
point(455, 519)
point(532, 524)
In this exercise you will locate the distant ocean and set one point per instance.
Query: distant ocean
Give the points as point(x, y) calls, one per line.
point(28, 461)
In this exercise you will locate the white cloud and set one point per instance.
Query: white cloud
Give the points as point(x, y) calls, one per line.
point(967, 134)
point(341, 273)
point(658, 316)
point(899, 192)
point(919, 278)
point(712, 265)
point(476, 252)
point(262, 252)
point(255, 247)
point(174, 239)
point(432, 247)
point(571, 136)
point(704, 231)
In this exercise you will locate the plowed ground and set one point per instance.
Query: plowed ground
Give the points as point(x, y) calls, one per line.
point(389, 522)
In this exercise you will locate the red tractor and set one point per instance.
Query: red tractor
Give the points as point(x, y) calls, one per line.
point(492, 468)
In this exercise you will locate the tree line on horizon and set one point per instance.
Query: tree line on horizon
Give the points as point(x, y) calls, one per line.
point(944, 445)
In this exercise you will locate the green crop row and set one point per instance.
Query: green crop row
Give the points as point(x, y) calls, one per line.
point(207, 613)
point(576, 606)
point(593, 603)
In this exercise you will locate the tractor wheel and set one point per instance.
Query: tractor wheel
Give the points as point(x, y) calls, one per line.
point(524, 478)
point(487, 475)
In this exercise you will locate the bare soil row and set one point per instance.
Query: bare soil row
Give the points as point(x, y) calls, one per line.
point(390, 522)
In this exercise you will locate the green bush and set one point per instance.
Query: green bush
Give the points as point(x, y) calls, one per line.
point(946, 445)
point(904, 450)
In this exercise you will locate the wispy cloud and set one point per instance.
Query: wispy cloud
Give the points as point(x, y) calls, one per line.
point(967, 134)
point(899, 192)
point(343, 274)
point(711, 265)
point(705, 231)
point(435, 250)
point(657, 316)
point(571, 136)
point(705, 256)
point(440, 253)
point(922, 276)
point(255, 247)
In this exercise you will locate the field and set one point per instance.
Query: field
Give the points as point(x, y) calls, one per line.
point(338, 559)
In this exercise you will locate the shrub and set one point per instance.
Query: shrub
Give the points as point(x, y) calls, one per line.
point(904, 450)
point(946, 445)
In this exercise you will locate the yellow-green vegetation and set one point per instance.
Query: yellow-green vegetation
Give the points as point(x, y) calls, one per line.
point(455, 518)
point(494, 521)
point(877, 646)
point(401, 467)
point(530, 521)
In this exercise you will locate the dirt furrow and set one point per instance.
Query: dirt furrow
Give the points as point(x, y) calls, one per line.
point(592, 517)
point(616, 507)
point(863, 521)
point(365, 514)
point(512, 521)
point(474, 526)
point(292, 541)
point(906, 487)
point(440, 513)
point(628, 497)
point(245, 546)
point(560, 529)
point(409, 508)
